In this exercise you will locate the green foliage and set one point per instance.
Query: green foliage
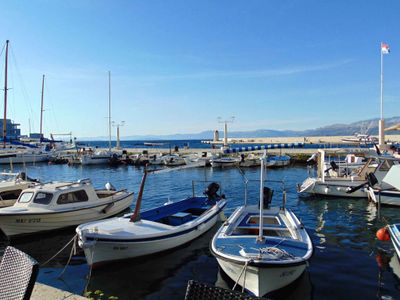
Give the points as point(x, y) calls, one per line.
point(98, 295)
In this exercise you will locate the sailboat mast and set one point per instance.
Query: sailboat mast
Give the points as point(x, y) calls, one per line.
point(5, 98)
point(109, 111)
point(41, 112)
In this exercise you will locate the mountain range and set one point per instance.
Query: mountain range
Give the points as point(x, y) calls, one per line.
point(365, 127)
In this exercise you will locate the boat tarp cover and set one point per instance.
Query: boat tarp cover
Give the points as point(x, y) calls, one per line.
point(393, 177)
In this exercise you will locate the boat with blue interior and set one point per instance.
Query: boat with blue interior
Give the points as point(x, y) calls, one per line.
point(262, 248)
point(155, 230)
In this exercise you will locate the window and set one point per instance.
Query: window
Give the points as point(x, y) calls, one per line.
point(43, 198)
point(10, 195)
point(77, 196)
point(25, 197)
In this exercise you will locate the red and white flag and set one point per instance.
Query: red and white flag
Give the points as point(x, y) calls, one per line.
point(385, 48)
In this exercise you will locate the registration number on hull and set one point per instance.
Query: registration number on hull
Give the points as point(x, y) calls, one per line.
point(34, 220)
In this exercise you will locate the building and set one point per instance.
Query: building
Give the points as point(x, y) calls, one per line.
point(13, 131)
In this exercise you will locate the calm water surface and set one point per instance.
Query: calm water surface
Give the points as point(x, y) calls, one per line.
point(348, 261)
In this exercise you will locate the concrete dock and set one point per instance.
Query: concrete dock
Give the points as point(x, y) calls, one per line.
point(43, 291)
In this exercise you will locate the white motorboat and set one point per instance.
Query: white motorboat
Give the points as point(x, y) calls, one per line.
point(331, 182)
point(56, 205)
point(262, 248)
point(173, 160)
point(95, 158)
point(250, 160)
point(23, 156)
point(388, 191)
point(11, 188)
point(151, 231)
point(224, 162)
point(155, 159)
point(361, 139)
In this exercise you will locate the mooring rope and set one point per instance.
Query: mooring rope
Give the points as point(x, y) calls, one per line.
point(55, 255)
point(72, 252)
point(240, 275)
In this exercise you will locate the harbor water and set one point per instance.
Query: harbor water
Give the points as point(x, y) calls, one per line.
point(348, 261)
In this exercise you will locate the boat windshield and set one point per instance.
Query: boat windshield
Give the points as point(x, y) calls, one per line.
point(25, 197)
point(43, 198)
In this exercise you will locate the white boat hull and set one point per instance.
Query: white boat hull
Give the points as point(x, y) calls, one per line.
point(337, 188)
point(261, 281)
point(18, 224)
point(88, 160)
point(24, 158)
point(100, 251)
point(384, 197)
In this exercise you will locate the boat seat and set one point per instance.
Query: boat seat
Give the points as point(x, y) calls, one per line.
point(179, 218)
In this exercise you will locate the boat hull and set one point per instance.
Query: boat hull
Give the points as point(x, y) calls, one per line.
point(334, 188)
point(24, 158)
point(27, 223)
point(261, 280)
point(122, 239)
point(110, 251)
point(384, 197)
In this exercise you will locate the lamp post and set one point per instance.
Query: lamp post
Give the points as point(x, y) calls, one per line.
point(230, 120)
point(118, 125)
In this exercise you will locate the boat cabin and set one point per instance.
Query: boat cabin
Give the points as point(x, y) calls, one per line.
point(60, 195)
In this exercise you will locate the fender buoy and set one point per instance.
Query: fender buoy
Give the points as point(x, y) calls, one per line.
point(383, 234)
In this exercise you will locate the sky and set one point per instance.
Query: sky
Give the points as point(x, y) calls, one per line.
point(176, 66)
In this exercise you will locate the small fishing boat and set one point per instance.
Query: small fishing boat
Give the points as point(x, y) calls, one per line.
point(262, 248)
point(173, 160)
point(278, 161)
point(250, 161)
point(224, 162)
point(56, 205)
point(95, 158)
point(12, 186)
point(151, 231)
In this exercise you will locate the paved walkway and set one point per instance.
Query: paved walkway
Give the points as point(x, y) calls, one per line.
point(42, 291)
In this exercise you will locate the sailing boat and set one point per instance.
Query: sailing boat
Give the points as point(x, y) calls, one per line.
point(262, 248)
point(101, 156)
point(12, 153)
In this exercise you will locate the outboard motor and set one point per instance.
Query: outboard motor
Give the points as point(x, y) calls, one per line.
point(22, 176)
point(110, 187)
point(267, 197)
point(334, 166)
point(372, 180)
point(242, 157)
point(212, 193)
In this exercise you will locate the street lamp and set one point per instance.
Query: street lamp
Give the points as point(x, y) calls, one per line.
point(230, 120)
point(114, 124)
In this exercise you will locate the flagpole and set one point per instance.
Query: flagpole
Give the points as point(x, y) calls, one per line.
point(381, 121)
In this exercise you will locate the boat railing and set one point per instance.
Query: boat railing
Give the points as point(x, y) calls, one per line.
point(81, 181)
point(204, 181)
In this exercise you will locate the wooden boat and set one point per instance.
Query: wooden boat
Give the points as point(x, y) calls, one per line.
point(262, 248)
point(151, 231)
point(56, 205)
point(11, 188)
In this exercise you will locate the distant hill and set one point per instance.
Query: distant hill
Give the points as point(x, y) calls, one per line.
point(366, 127)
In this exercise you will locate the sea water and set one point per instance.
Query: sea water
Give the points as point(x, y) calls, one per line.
point(348, 261)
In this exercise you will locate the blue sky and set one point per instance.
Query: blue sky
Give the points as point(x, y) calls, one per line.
point(178, 65)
